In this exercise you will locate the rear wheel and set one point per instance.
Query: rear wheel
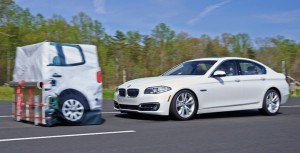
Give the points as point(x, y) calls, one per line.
point(72, 107)
point(184, 105)
point(271, 103)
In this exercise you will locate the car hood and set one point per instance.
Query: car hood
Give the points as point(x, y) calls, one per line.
point(155, 81)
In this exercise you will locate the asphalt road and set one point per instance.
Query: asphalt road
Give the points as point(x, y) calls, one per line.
point(230, 132)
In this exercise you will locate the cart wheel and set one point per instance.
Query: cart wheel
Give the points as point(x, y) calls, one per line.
point(72, 107)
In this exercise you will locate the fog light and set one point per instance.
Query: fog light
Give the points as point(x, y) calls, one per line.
point(116, 105)
point(149, 106)
point(155, 107)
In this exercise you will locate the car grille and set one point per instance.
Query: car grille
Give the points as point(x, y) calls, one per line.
point(133, 92)
point(122, 92)
point(132, 107)
point(130, 92)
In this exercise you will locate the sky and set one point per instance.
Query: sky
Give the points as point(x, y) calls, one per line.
point(258, 18)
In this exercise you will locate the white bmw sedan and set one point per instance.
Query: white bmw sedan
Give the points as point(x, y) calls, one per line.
point(204, 86)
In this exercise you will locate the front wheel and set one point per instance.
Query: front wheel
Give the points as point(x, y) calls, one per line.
point(184, 105)
point(271, 103)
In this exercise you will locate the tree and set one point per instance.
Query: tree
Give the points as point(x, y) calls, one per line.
point(239, 44)
point(129, 55)
point(287, 50)
point(164, 37)
point(83, 28)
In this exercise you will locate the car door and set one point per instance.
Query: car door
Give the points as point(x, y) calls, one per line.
point(253, 79)
point(222, 91)
point(67, 66)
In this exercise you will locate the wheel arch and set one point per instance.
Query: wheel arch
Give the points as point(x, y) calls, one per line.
point(75, 92)
point(191, 92)
point(276, 89)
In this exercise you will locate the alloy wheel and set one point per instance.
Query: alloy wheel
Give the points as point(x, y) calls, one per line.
point(185, 104)
point(272, 102)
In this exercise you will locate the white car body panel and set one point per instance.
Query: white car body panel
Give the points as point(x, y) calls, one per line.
point(240, 92)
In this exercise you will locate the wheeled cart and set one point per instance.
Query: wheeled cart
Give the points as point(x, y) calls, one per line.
point(31, 105)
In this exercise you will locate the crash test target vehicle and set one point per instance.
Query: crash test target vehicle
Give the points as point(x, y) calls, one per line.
point(204, 86)
point(70, 72)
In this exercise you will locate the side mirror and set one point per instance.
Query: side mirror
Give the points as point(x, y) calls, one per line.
point(219, 74)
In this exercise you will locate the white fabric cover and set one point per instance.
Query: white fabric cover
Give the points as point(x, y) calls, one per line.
point(32, 65)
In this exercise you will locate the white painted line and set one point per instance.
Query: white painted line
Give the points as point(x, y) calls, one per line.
point(64, 136)
point(6, 116)
point(291, 106)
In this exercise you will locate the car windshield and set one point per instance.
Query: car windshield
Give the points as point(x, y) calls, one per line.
point(191, 68)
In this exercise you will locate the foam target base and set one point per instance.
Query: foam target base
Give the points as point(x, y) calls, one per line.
point(92, 118)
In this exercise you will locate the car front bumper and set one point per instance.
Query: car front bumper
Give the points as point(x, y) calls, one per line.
point(155, 104)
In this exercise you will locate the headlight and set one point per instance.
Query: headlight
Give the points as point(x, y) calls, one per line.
point(157, 90)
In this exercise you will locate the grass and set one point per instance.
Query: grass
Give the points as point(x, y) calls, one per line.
point(6, 93)
point(298, 92)
point(108, 94)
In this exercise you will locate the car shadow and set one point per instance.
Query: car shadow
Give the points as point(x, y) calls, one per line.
point(143, 117)
point(231, 114)
point(65, 124)
point(218, 115)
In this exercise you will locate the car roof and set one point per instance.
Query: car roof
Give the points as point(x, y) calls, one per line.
point(219, 58)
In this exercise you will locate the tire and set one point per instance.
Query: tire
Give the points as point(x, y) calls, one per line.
point(271, 103)
point(184, 105)
point(72, 107)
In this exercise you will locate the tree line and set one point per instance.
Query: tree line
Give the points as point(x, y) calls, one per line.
point(129, 55)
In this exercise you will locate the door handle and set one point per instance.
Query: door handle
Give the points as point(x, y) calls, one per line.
point(56, 75)
point(263, 79)
point(237, 80)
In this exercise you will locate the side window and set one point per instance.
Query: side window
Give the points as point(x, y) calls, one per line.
point(251, 68)
point(66, 55)
point(72, 55)
point(202, 68)
point(229, 67)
